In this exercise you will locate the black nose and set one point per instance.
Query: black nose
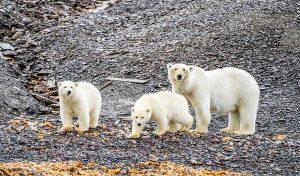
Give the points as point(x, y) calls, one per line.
point(68, 92)
point(179, 77)
point(139, 124)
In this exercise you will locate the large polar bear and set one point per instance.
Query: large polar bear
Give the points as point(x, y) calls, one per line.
point(227, 90)
point(79, 99)
point(169, 110)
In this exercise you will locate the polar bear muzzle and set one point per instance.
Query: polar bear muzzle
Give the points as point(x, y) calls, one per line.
point(179, 77)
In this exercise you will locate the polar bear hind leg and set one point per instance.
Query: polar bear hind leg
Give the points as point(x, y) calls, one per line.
point(186, 122)
point(94, 121)
point(247, 119)
point(233, 122)
point(174, 127)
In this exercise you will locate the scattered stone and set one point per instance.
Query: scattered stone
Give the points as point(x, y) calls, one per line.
point(17, 35)
point(9, 53)
point(21, 41)
point(193, 160)
point(6, 46)
point(153, 157)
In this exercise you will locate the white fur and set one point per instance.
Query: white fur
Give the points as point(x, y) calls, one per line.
point(227, 90)
point(84, 101)
point(169, 110)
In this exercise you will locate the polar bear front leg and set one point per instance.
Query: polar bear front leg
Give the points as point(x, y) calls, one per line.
point(84, 122)
point(233, 122)
point(66, 118)
point(135, 131)
point(203, 116)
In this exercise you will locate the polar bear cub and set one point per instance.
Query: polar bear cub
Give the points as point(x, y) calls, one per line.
point(79, 99)
point(227, 90)
point(169, 110)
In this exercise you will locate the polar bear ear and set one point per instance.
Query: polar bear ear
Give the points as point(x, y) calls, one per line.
point(191, 68)
point(169, 65)
point(132, 109)
point(58, 84)
point(148, 110)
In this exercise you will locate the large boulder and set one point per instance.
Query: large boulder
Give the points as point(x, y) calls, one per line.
point(14, 97)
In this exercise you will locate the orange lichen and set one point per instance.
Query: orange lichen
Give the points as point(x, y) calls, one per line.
point(279, 137)
point(76, 168)
point(227, 138)
point(47, 125)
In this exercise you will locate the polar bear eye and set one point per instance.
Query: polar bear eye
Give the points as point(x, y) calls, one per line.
point(183, 69)
point(175, 69)
point(65, 87)
point(136, 117)
point(142, 117)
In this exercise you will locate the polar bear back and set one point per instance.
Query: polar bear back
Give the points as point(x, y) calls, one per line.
point(169, 103)
point(91, 94)
point(171, 100)
point(230, 87)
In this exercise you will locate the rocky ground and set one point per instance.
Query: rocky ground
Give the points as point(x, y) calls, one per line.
point(79, 40)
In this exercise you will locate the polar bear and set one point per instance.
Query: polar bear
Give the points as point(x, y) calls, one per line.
point(79, 99)
point(169, 110)
point(227, 90)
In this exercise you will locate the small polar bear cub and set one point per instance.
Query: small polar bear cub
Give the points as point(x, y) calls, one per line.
point(227, 90)
point(169, 110)
point(79, 99)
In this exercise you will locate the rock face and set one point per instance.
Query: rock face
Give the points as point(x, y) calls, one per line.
point(14, 97)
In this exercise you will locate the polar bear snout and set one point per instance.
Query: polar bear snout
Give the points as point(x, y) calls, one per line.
point(179, 77)
point(69, 91)
point(139, 124)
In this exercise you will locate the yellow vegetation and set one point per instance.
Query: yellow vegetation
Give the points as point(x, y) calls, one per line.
point(76, 168)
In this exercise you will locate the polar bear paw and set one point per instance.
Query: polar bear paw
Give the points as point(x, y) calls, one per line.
point(93, 126)
point(76, 123)
point(173, 127)
point(81, 130)
point(184, 128)
point(134, 135)
point(66, 128)
point(243, 132)
point(228, 130)
point(201, 130)
point(159, 132)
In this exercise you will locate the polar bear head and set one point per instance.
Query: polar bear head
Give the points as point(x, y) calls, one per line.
point(67, 89)
point(140, 116)
point(179, 72)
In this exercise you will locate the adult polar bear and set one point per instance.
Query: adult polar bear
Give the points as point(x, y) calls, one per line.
point(227, 90)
